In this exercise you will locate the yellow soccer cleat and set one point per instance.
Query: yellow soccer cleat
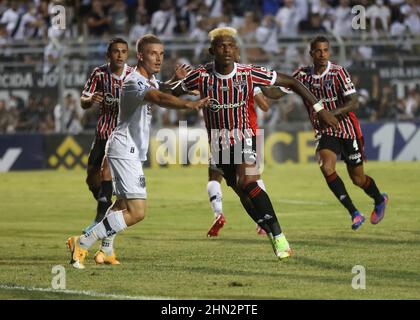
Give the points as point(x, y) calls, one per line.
point(78, 254)
point(102, 258)
point(281, 247)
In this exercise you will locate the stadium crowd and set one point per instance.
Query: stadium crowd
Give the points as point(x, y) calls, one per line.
point(262, 24)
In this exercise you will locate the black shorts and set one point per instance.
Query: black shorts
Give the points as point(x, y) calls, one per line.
point(351, 150)
point(97, 152)
point(225, 159)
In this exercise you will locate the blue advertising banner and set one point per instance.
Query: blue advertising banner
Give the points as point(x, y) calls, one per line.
point(21, 152)
point(388, 141)
point(399, 141)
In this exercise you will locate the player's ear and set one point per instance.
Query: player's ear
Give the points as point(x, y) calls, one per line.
point(140, 56)
point(211, 51)
point(311, 53)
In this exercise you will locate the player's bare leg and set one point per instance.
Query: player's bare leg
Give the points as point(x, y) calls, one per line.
point(214, 191)
point(327, 161)
point(264, 213)
point(105, 192)
point(93, 179)
point(368, 185)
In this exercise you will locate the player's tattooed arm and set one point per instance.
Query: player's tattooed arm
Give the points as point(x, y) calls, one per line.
point(351, 103)
point(326, 117)
point(273, 92)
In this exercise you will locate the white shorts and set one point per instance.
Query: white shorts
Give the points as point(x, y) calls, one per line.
point(128, 178)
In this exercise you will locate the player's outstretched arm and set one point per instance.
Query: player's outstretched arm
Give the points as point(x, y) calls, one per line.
point(262, 102)
point(324, 115)
point(274, 93)
point(351, 103)
point(169, 101)
point(172, 86)
point(87, 102)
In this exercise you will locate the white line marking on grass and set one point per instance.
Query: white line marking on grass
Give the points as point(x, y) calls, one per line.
point(290, 201)
point(86, 293)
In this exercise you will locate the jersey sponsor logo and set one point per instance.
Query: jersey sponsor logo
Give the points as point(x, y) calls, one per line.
point(109, 99)
point(328, 99)
point(215, 106)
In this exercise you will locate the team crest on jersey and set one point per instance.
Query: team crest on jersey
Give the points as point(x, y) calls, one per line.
point(328, 83)
point(239, 84)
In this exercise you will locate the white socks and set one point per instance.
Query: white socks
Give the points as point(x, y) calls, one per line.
point(215, 195)
point(113, 223)
point(107, 245)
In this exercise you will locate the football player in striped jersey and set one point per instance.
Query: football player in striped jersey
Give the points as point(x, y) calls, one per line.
point(331, 84)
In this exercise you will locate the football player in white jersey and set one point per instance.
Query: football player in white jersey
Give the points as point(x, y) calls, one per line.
point(128, 145)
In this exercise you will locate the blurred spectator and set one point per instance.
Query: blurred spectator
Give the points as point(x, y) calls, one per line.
point(8, 118)
point(240, 8)
point(98, 21)
point(343, 18)
point(387, 105)
point(313, 25)
point(68, 118)
point(270, 7)
point(288, 18)
point(214, 7)
point(398, 27)
point(163, 20)
point(29, 117)
point(52, 51)
point(325, 12)
point(141, 28)
point(199, 34)
point(267, 35)
point(119, 19)
point(248, 32)
point(12, 18)
point(16, 102)
point(379, 16)
point(411, 11)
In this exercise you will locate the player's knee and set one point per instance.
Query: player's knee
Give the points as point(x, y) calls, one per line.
point(327, 169)
point(358, 180)
point(137, 214)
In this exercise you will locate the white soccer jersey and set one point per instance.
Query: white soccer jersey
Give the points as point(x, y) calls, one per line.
point(130, 138)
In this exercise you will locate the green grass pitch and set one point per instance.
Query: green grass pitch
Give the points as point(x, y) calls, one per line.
point(168, 254)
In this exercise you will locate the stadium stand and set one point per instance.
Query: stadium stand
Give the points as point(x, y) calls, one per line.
point(42, 69)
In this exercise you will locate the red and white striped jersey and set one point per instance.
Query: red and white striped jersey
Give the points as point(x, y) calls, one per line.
point(330, 87)
point(103, 80)
point(232, 102)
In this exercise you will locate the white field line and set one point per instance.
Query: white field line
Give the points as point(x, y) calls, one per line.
point(290, 201)
point(85, 293)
